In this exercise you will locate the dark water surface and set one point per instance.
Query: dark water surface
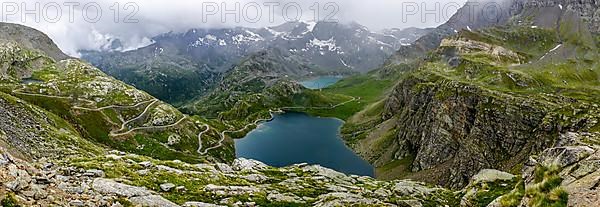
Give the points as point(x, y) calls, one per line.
point(320, 82)
point(293, 138)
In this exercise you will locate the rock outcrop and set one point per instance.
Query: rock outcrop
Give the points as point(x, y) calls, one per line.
point(43, 183)
point(456, 126)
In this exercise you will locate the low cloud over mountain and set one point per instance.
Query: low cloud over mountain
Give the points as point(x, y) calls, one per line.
point(79, 26)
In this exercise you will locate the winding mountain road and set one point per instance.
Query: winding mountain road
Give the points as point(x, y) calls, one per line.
point(149, 128)
point(222, 135)
point(114, 106)
point(113, 133)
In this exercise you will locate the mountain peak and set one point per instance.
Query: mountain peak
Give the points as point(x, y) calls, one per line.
point(31, 39)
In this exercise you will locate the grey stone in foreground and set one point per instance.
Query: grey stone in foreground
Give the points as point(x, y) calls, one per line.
point(107, 186)
point(199, 204)
point(152, 201)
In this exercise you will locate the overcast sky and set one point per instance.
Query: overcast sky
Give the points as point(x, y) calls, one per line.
point(87, 25)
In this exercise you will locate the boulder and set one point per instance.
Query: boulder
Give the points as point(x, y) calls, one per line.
point(199, 204)
point(345, 199)
point(167, 187)
point(247, 164)
point(94, 173)
point(224, 168)
point(564, 156)
point(152, 201)
point(231, 190)
point(333, 175)
point(146, 164)
point(169, 169)
point(256, 178)
point(111, 187)
point(285, 198)
point(405, 188)
point(491, 175)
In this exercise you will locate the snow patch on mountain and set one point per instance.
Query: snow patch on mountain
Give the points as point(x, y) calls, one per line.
point(311, 26)
point(324, 45)
point(252, 37)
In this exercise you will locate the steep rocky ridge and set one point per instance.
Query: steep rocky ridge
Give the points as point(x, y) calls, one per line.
point(31, 39)
point(480, 14)
point(487, 99)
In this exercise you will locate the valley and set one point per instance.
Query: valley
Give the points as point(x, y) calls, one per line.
point(471, 113)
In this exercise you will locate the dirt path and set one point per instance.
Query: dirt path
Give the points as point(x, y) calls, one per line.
point(149, 128)
point(152, 102)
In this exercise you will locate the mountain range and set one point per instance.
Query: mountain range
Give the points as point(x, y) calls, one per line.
point(188, 63)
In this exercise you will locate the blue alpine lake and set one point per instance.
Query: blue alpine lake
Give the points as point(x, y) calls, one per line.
point(320, 82)
point(293, 138)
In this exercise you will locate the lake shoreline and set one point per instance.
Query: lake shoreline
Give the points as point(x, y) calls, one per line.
point(308, 139)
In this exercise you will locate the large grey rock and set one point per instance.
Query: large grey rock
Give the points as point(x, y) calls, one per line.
point(404, 188)
point(345, 199)
point(16, 185)
point(67, 187)
point(169, 169)
point(152, 201)
point(287, 198)
point(491, 175)
point(94, 173)
point(111, 187)
point(231, 190)
point(224, 168)
point(247, 164)
point(564, 156)
point(330, 174)
point(257, 178)
point(199, 204)
point(167, 187)
point(146, 164)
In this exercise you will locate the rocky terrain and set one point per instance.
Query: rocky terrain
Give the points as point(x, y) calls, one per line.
point(120, 179)
point(487, 98)
point(560, 176)
point(497, 114)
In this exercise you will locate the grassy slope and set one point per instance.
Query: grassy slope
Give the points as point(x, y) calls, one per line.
point(367, 88)
point(65, 84)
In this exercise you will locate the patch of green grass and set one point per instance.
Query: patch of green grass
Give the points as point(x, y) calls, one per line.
point(10, 201)
point(513, 199)
point(546, 190)
point(366, 88)
point(149, 146)
point(488, 192)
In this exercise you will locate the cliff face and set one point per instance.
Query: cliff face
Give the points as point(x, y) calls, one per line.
point(491, 95)
point(456, 129)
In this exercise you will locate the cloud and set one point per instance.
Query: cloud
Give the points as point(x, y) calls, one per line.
point(88, 25)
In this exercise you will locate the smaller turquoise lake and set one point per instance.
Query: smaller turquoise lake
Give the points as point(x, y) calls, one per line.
point(320, 82)
point(293, 138)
